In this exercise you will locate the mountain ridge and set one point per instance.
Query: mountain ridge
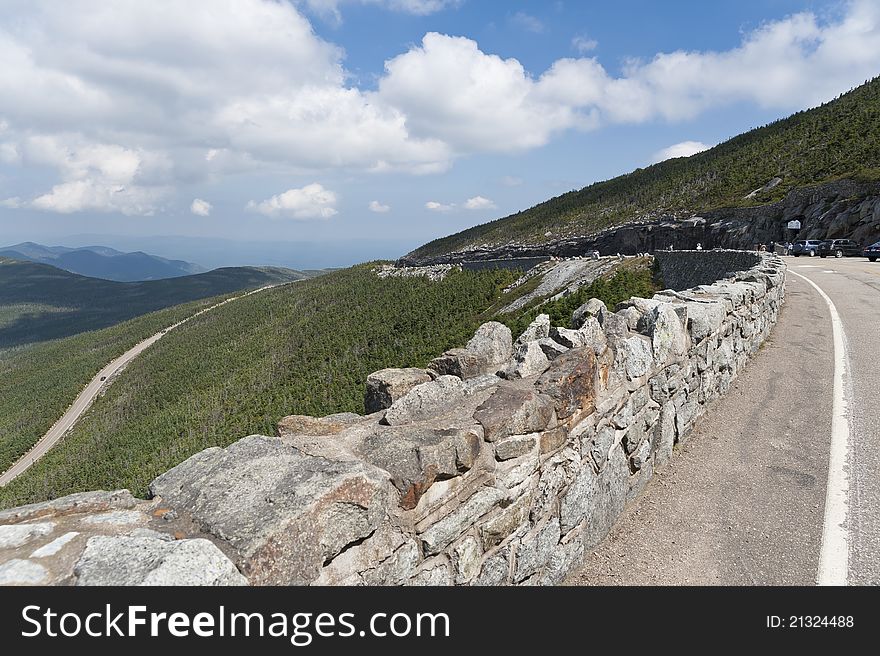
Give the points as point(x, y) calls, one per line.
point(839, 140)
point(103, 262)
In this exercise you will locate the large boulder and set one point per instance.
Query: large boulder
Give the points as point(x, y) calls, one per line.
point(427, 401)
point(514, 409)
point(571, 381)
point(488, 351)
point(538, 329)
point(529, 359)
point(493, 341)
point(418, 455)
point(593, 308)
point(315, 426)
point(128, 560)
point(386, 386)
point(461, 363)
point(283, 513)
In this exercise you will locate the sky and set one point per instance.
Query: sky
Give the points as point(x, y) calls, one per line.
point(324, 132)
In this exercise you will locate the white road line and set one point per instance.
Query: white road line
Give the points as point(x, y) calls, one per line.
point(834, 555)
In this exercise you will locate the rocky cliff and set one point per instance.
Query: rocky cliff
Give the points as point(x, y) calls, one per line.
point(502, 463)
point(842, 209)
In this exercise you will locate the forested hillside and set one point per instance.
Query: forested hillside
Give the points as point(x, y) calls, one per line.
point(40, 302)
point(38, 382)
point(840, 139)
point(300, 349)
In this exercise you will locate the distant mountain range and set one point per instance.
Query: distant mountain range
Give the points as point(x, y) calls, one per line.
point(40, 302)
point(102, 262)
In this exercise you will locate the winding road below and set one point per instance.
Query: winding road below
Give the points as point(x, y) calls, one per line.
point(95, 387)
point(751, 499)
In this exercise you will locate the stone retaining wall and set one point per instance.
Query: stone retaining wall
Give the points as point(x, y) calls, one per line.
point(503, 463)
point(686, 269)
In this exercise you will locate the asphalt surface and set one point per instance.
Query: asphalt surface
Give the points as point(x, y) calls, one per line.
point(92, 390)
point(742, 502)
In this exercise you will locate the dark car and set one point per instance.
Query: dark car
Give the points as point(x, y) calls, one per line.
point(872, 252)
point(839, 248)
point(805, 247)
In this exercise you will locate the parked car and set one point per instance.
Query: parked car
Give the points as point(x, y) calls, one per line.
point(872, 252)
point(839, 248)
point(805, 247)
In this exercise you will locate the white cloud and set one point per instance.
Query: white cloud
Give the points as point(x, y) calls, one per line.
point(683, 149)
point(511, 181)
point(12, 203)
point(125, 101)
point(528, 22)
point(434, 206)
point(479, 203)
point(583, 43)
point(379, 208)
point(330, 8)
point(201, 207)
point(310, 202)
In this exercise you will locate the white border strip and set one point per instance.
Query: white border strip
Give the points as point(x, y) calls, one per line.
point(834, 556)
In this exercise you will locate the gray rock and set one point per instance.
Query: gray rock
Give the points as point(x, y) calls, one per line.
point(514, 409)
point(22, 572)
point(462, 363)
point(515, 446)
point(481, 383)
point(466, 559)
point(81, 502)
point(637, 355)
point(601, 445)
point(315, 426)
point(418, 455)
point(56, 545)
point(536, 549)
point(592, 308)
point(434, 576)
point(283, 512)
point(16, 535)
point(444, 532)
point(538, 329)
point(705, 319)
point(668, 337)
point(388, 385)
point(571, 382)
point(664, 434)
point(529, 360)
point(492, 341)
point(123, 560)
point(552, 349)
point(427, 401)
point(496, 569)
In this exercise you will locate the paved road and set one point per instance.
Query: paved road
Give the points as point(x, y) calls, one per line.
point(97, 385)
point(743, 502)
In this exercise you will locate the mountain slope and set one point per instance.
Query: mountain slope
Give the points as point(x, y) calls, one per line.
point(304, 348)
point(40, 302)
point(102, 262)
point(840, 139)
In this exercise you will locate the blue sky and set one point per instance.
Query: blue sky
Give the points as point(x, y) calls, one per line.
point(367, 127)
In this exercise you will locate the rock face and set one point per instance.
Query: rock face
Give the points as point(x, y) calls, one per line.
point(834, 210)
point(487, 352)
point(386, 386)
point(284, 512)
point(465, 479)
point(127, 560)
point(426, 401)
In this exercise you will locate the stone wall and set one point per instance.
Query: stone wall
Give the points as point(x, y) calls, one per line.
point(685, 269)
point(502, 463)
